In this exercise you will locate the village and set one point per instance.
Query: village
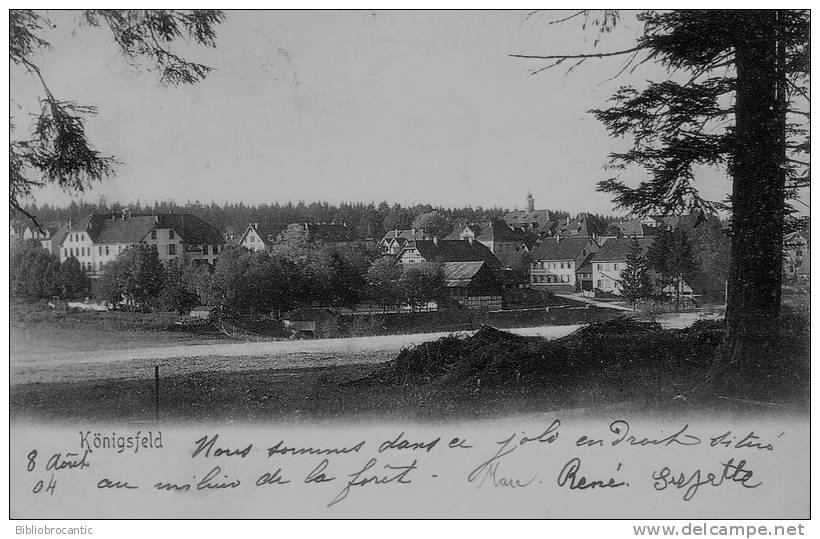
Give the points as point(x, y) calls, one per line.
point(524, 263)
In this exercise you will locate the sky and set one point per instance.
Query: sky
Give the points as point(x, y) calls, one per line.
point(402, 106)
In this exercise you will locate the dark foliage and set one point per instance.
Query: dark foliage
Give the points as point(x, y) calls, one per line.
point(59, 151)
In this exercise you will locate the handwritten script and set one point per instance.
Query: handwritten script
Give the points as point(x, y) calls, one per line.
point(613, 460)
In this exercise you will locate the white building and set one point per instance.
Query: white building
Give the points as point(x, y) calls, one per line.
point(99, 238)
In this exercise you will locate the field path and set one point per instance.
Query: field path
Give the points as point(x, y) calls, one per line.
point(71, 365)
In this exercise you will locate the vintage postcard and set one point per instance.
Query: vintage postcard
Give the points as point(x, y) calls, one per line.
point(464, 264)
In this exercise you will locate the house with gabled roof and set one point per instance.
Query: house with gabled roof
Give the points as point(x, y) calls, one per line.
point(394, 240)
point(555, 261)
point(260, 237)
point(441, 251)
point(582, 225)
point(503, 241)
point(610, 261)
point(98, 239)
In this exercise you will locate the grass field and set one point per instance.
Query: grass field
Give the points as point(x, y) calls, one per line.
point(92, 369)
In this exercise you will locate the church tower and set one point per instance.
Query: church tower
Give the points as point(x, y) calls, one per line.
point(530, 202)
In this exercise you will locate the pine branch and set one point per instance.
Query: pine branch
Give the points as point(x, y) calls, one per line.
point(575, 56)
point(17, 207)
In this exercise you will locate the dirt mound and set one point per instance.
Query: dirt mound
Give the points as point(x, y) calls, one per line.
point(432, 360)
point(622, 325)
point(636, 357)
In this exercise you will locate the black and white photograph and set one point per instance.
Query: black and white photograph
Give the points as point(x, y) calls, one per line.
point(410, 264)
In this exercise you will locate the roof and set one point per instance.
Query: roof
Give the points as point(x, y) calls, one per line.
point(458, 274)
point(191, 228)
point(308, 313)
point(498, 230)
point(631, 227)
point(458, 230)
point(616, 249)
point(583, 225)
point(568, 248)
point(267, 233)
point(495, 230)
point(113, 228)
point(455, 251)
point(586, 265)
point(521, 217)
point(406, 233)
point(58, 236)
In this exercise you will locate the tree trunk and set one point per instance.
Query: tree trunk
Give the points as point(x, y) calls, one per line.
point(758, 196)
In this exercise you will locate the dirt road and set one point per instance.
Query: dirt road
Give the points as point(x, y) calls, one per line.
point(27, 367)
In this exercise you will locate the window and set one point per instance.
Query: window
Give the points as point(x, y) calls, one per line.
point(599, 282)
point(99, 250)
point(106, 249)
point(153, 234)
point(172, 249)
point(65, 252)
point(170, 234)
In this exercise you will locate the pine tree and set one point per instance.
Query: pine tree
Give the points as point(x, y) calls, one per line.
point(636, 283)
point(671, 256)
point(73, 280)
point(737, 97)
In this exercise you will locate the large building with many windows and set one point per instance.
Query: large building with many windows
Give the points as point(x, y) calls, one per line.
point(555, 262)
point(99, 238)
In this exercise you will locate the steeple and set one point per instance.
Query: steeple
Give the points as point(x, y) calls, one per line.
point(530, 202)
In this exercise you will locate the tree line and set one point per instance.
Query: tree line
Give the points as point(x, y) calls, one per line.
point(365, 219)
point(242, 282)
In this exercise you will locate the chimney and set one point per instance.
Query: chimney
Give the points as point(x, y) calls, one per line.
point(558, 238)
point(567, 219)
point(413, 233)
point(435, 241)
point(470, 239)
